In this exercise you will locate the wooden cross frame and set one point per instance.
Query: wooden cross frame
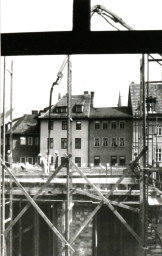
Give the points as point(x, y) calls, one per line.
point(81, 40)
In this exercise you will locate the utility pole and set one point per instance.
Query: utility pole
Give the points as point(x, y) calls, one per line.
point(69, 151)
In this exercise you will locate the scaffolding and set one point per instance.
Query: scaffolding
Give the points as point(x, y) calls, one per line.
point(140, 172)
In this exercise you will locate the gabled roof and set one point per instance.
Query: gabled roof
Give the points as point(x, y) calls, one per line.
point(155, 91)
point(111, 112)
point(27, 124)
point(76, 100)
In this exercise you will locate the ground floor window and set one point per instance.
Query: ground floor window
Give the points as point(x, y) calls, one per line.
point(158, 154)
point(30, 160)
point(78, 161)
point(113, 160)
point(97, 160)
point(23, 160)
point(122, 160)
point(63, 161)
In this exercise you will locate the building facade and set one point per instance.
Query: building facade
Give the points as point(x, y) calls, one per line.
point(110, 136)
point(153, 121)
point(80, 111)
point(25, 139)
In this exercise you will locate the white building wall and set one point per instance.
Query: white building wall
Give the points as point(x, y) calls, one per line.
point(57, 133)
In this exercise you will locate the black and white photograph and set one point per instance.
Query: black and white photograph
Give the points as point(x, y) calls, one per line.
point(81, 128)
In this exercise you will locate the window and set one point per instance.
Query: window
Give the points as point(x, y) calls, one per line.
point(78, 125)
point(158, 154)
point(79, 108)
point(30, 160)
point(36, 141)
point(96, 142)
point(30, 141)
point(113, 125)
point(50, 125)
point(22, 140)
point(63, 143)
point(159, 130)
point(104, 125)
point(113, 160)
point(96, 160)
point(50, 143)
point(64, 161)
point(36, 160)
point(113, 142)
point(77, 143)
point(78, 161)
point(97, 125)
point(122, 160)
point(151, 107)
point(64, 125)
point(105, 142)
point(23, 160)
point(121, 142)
point(122, 125)
point(61, 110)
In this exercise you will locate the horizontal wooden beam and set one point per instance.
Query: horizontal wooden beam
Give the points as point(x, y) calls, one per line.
point(77, 180)
point(74, 42)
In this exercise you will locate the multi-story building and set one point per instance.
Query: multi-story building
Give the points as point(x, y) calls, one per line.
point(153, 121)
point(110, 136)
point(99, 135)
point(80, 105)
point(25, 139)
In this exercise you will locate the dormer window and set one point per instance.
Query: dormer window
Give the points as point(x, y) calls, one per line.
point(61, 109)
point(79, 108)
point(151, 104)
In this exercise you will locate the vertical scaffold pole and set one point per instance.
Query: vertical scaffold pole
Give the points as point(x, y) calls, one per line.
point(69, 144)
point(3, 169)
point(143, 197)
point(11, 196)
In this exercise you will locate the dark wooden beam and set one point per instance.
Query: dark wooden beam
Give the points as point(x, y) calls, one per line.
point(81, 15)
point(49, 43)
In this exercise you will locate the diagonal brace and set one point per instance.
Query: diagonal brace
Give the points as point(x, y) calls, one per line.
point(49, 223)
point(92, 214)
point(108, 203)
point(119, 204)
point(35, 197)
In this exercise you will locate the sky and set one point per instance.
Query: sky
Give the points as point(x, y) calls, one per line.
point(106, 75)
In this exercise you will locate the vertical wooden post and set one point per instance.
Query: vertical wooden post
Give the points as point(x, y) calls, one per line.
point(81, 15)
point(36, 233)
point(69, 145)
point(20, 233)
point(3, 169)
point(11, 152)
point(143, 189)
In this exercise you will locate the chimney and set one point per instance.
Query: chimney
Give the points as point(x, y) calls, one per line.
point(59, 96)
point(85, 92)
point(34, 112)
point(92, 99)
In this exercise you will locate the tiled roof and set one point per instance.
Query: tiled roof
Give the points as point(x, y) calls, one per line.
point(111, 112)
point(84, 100)
point(155, 90)
point(27, 124)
